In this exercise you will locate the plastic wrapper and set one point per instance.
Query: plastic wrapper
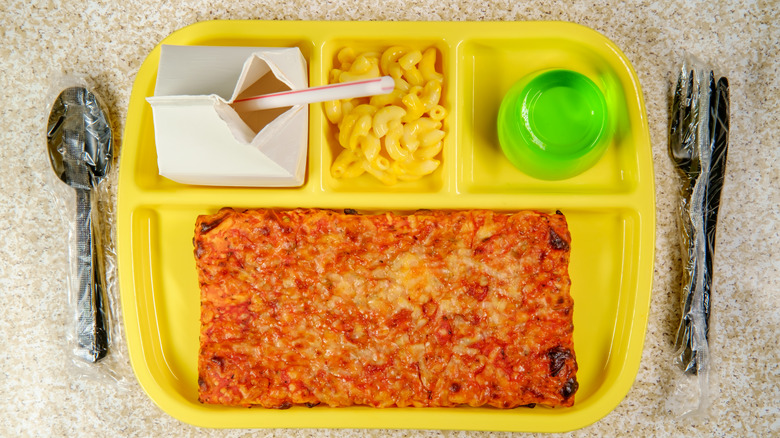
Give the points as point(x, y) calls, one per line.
point(79, 144)
point(698, 145)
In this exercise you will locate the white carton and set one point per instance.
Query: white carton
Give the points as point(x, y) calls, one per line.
point(202, 140)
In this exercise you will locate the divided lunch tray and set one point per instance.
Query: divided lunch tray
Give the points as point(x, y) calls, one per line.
point(610, 209)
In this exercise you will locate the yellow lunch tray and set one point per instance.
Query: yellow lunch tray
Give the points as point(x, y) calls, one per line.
point(610, 209)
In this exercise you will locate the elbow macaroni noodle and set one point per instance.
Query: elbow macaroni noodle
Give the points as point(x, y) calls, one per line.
point(397, 136)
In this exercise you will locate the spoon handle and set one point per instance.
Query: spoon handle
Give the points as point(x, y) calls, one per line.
point(91, 322)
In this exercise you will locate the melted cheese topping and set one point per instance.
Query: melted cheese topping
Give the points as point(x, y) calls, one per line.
point(429, 309)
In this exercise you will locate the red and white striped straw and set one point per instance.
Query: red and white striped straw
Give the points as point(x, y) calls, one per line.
point(344, 90)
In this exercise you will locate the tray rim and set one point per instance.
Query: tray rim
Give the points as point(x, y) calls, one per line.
point(646, 210)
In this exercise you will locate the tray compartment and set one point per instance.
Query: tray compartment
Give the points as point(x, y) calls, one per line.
point(489, 68)
point(146, 171)
point(170, 293)
point(326, 135)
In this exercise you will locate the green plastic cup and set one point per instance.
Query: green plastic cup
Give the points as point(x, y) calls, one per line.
point(553, 125)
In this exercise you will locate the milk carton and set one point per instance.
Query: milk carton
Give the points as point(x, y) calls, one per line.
point(201, 139)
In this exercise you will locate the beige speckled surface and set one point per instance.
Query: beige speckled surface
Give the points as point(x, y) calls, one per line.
point(110, 39)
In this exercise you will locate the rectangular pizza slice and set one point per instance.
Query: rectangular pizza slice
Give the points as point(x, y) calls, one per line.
point(435, 308)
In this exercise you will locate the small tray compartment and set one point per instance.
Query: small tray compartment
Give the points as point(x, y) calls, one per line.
point(328, 141)
point(483, 167)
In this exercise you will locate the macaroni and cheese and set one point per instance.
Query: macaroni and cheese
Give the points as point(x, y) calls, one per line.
point(396, 136)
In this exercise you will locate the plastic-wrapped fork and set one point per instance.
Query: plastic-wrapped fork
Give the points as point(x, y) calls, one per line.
point(698, 144)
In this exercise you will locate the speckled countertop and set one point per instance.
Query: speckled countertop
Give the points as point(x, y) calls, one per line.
point(43, 394)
